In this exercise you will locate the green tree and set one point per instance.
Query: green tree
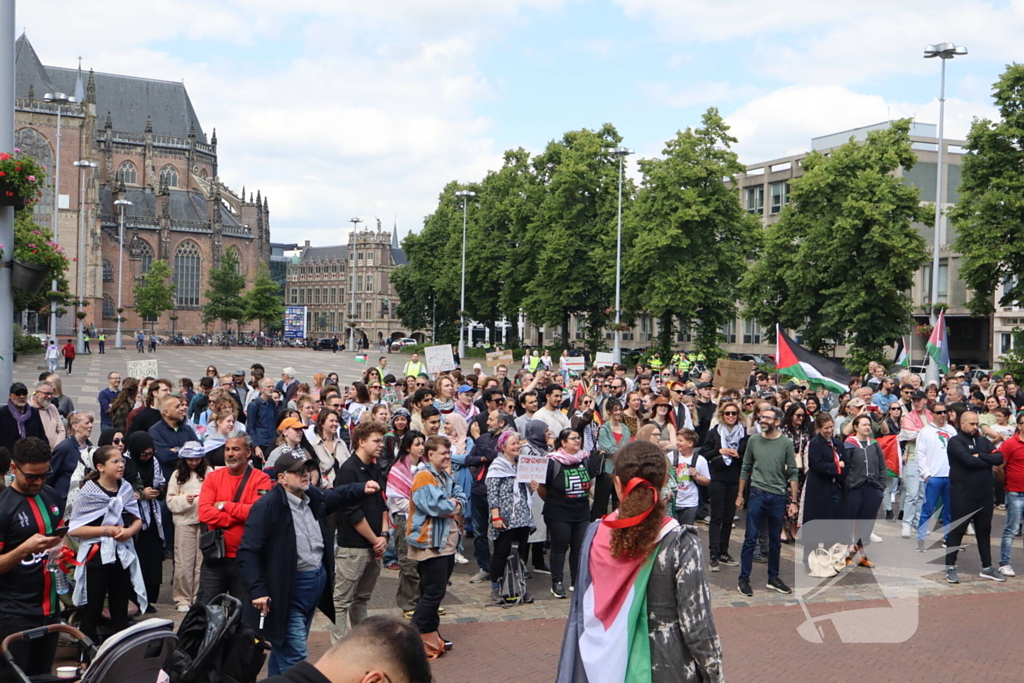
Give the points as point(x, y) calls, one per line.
point(264, 301)
point(840, 262)
point(569, 246)
point(988, 216)
point(224, 300)
point(688, 238)
point(154, 294)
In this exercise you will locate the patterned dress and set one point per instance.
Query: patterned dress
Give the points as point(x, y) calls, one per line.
point(801, 439)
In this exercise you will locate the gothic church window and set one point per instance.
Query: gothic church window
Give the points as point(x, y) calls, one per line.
point(187, 273)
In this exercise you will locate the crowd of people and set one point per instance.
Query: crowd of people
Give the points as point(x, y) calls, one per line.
point(295, 495)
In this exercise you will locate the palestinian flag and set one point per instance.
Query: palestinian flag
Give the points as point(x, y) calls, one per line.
point(362, 357)
point(938, 344)
point(615, 644)
point(796, 361)
point(902, 359)
point(890, 446)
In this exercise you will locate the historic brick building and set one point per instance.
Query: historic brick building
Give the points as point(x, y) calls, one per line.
point(150, 149)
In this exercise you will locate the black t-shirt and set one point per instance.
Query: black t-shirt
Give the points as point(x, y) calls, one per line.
point(28, 589)
point(370, 508)
point(568, 490)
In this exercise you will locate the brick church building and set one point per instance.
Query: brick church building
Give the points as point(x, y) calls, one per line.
point(150, 149)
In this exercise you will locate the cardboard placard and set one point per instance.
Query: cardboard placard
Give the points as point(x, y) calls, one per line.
point(604, 359)
point(574, 363)
point(496, 358)
point(142, 368)
point(732, 374)
point(532, 468)
point(439, 358)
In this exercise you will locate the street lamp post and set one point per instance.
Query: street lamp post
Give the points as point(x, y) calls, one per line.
point(943, 51)
point(352, 287)
point(621, 153)
point(59, 99)
point(80, 294)
point(121, 204)
point(465, 195)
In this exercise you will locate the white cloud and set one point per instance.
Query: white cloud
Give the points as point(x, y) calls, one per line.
point(704, 94)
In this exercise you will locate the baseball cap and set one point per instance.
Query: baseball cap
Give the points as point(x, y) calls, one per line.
point(289, 463)
point(19, 388)
point(918, 395)
point(238, 373)
point(290, 422)
point(703, 385)
point(465, 388)
point(856, 403)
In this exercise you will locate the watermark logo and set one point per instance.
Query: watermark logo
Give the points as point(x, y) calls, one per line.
point(897, 569)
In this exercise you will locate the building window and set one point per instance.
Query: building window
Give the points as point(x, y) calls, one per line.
point(369, 258)
point(926, 272)
point(779, 195)
point(755, 199)
point(238, 260)
point(359, 259)
point(127, 173)
point(729, 332)
point(302, 296)
point(108, 271)
point(359, 283)
point(295, 296)
point(169, 176)
point(309, 295)
point(1005, 342)
point(316, 295)
point(369, 283)
point(359, 310)
point(341, 295)
point(751, 332)
point(109, 310)
point(145, 257)
point(684, 337)
point(187, 273)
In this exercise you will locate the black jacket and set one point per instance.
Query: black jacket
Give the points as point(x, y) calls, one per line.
point(303, 672)
point(9, 430)
point(971, 459)
point(267, 554)
point(705, 415)
point(824, 480)
point(483, 454)
point(730, 474)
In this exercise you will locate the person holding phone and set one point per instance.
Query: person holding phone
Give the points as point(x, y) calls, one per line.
point(27, 595)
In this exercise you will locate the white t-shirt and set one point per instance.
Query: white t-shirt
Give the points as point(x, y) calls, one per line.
point(686, 494)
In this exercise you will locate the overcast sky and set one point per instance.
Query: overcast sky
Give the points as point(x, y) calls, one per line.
point(336, 109)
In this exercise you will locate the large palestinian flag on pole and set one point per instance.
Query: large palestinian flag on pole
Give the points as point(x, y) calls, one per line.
point(938, 344)
point(796, 361)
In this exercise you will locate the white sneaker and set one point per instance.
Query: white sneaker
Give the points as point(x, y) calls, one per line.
point(970, 530)
point(875, 538)
point(459, 559)
point(906, 531)
point(1006, 570)
point(183, 608)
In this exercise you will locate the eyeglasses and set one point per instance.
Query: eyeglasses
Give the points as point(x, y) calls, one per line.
point(574, 437)
point(938, 412)
point(148, 451)
point(730, 412)
point(35, 477)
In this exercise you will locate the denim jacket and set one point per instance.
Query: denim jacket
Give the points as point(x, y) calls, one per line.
point(431, 505)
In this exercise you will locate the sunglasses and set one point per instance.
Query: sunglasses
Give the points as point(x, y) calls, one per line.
point(938, 412)
point(118, 441)
point(730, 412)
point(35, 477)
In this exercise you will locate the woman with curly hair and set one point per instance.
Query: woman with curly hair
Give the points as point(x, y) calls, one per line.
point(638, 554)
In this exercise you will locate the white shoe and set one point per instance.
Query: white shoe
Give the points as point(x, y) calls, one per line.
point(1006, 570)
point(459, 559)
point(906, 531)
point(875, 538)
point(970, 530)
point(183, 608)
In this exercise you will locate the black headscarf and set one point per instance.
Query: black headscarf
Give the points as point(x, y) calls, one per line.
point(138, 443)
point(107, 436)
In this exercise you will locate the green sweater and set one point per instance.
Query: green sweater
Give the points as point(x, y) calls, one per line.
point(769, 463)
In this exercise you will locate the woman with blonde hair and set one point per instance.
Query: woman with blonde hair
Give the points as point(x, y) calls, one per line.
point(65, 406)
point(633, 416)
point(318, 385)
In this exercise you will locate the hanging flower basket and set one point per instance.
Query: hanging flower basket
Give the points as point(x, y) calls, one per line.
point(29, 277)
point(923, 330)
point(9, 196)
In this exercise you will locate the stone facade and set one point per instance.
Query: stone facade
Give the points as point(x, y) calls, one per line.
point(150, 149)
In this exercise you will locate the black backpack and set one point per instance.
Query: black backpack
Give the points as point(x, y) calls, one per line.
point(215, 646)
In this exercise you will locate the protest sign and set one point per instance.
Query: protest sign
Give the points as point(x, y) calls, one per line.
point(496, 358)
point(604, 359)
point(142, 368)
point(532, 468)
point(439, 358)
point(732, 374)
point(574, 363)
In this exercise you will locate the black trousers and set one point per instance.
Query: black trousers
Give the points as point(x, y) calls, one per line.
point(110, 582)
point(503, 548)
point(565, 536)
point(68, 362)
point(604, 490)
point(864, 502)
point(150, 550)
point(34, 657)
point(977, 511)
point(220, 576)
point(723, 507)
point(434, 574)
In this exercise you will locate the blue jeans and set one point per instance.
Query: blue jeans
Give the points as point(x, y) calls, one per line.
point(306, 592)
point(934, 488)
point(912, 494)
point(481, 525)
point(763, 505)
point(892, 487)
point(1014, 508)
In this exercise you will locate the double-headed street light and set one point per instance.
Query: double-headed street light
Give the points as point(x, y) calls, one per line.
point(122, 205)
point(59, 99)
point(943, 51)
point(465, 195)
point(82, 166)
point(621, 153)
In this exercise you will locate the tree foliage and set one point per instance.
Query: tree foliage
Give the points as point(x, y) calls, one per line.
point(989, 215)
point(689, 239)
point(840, 262)
point(154, 294)
point(263, 301)
point(224, 300)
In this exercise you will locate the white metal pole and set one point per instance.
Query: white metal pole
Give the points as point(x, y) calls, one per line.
point(352, 285)
point(80, 294)
point(120, 279)
point(56, 214)
point(617, 351)
point(932, 373)
point(462, 299)
point(6, 212)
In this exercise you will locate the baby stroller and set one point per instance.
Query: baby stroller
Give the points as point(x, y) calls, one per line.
point(134, 655)
point(215, 646)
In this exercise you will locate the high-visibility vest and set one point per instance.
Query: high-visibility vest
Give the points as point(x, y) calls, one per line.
point(414, 369)
point(534, 363)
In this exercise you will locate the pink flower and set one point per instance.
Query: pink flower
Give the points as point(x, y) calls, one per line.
point(31, 178)
point(16, 150)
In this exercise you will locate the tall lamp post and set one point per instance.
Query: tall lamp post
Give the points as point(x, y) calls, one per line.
point(59, 99)
point(82, 165)
point(943, 51)
point(621, 153)
point(465, 195)
point(122, 205)
point(352, 287)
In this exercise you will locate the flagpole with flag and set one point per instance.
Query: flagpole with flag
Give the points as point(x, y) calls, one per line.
point(796, 361)
point(938, 344)
point(902, 358)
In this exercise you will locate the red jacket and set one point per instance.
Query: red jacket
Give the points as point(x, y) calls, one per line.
point(1013, 457)
point(220, 486)
point(68, 350)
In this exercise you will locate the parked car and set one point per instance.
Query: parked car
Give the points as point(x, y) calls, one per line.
point(323, 344)
point(398, 344)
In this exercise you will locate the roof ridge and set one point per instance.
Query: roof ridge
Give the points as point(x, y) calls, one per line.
point(107, 73)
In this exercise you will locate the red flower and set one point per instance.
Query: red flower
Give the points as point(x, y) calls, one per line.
point(4, 156)
point(2, 174)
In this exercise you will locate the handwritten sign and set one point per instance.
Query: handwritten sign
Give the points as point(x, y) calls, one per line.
point(574, 363)
point(732, 374)
point(439, 358)
point(604, 359)
point(142, 368)
point(496, 358)
point(532, 468)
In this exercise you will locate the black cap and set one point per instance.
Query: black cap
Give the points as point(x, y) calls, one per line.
point(790, 386)
point(238, 373)
point(703, 385)
point(918, 395)
point(289, 463)
point(19, 388)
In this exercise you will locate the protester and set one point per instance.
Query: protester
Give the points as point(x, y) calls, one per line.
point(724, 447)
point(148, 414)
point(825, 507)
point(52, 356)
point(611, 436)
point(171, 433)
point(18, 419)
point(183, 492)
point(329, 449)
point(123, 404)
point(289, 440)
point(68, 352)
point(689, 471)
point(510, 515)
point(69, 452)
point(107, 396)
point(150, 541)
point(933, 468)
